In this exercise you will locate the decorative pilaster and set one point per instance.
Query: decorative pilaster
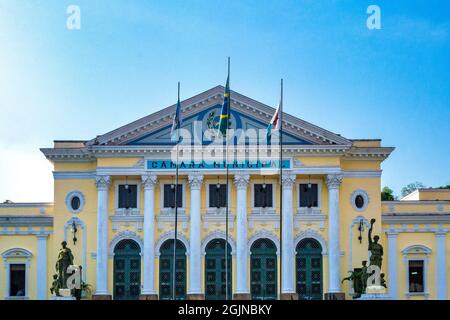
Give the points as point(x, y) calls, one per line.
point(334, 249)
point(41, 278)
point(288, 254)
point(242, 290)
point(101, 291)
point(148, 290)
point(195, 286)
point(441, 265)
point(392, 264)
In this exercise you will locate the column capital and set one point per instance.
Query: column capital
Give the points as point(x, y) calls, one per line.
point(102, 182)
point(288, 180)
point(241, 180)
point(149, 181)
point(391, 233)
point(195, 180)
point(334, 181)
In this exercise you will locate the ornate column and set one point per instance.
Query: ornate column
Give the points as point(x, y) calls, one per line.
point(148, 290)
point(101, 290)
point(41, 289)
point(242, 290)
point(287, 237)
point(334, 249)
point(195, 266)
point(392, 264)
point(441, 266)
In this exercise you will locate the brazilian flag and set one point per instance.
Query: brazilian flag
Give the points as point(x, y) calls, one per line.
point(225, 112)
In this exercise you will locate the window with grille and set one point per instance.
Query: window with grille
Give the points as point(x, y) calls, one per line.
point(217, 196)
point(127, 196)
point(169, 196)
point(309, 196)
point(263, 196)
point(416, 276)
point(17, 280)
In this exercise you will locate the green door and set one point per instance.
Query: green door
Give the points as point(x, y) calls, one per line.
point(309, 270)
point(263, 269)
point(166, 268)
point(215, 273)
point(127, 270)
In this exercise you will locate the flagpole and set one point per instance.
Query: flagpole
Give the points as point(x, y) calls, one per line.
point(281, 187)
point(226, 164)
point(176, 209)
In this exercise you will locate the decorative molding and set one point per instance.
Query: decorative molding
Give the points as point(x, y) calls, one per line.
point(218, 234)
point(195, 180)
point(334, 181)
point(102, 182)
point(310, 218)
point(311, 233)
point(79, 223)
point(118, 221)
point(149, 181)
point(73, 175)
point(264, 219)
point(288, 180)
point(218, 218)
point(354, 222)
point(366, 198)
point(261, 234)
point(241, 180)
point(26, 221)
point(70, 196)
point(170, 236)
point(123, 235)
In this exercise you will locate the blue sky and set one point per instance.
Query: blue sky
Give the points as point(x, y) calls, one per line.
point(126, 59)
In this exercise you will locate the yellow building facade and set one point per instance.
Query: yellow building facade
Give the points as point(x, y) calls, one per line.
point(114, 201)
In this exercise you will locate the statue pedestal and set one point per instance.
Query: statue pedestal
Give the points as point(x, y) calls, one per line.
point(62, 298)
point(375, 293)
point(65, 294)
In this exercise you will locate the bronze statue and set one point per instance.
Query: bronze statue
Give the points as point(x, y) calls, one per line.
point(375, 248)
point(55, 286)
point(356, 277)
point(364, 276)
point(65, 259)
point(382, 280)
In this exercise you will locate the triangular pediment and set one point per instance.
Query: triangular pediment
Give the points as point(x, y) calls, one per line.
point(201, 112)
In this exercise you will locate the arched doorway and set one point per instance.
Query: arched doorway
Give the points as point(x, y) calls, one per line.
point(215, 273)
point(166, 269)
point(263, 270)
point(308, 262)
point(127, 270)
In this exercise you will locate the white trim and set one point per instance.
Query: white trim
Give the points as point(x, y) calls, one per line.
point(72, 194)
point(363, 193)
point(124, 211)
point(313, 234)
point(355, 221)
point(79, 223)
point(312, 210)
point(261, 210)
point(162, 182)
point(73, 175)
point(124, 235)
point(261, 234)
point(8, 259)
point(218, 234)
point(169, 236)
point(215, 209)
point(409, 253)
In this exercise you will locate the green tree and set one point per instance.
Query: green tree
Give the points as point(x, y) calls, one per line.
point(412, 187)
point(387, 194)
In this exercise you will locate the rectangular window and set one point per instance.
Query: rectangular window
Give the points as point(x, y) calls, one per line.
point(416, 280)
point(262, 195)
point(17, 280)
point(127, 196)
point(309, 196)
point(169, 196)
point(217, 196)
